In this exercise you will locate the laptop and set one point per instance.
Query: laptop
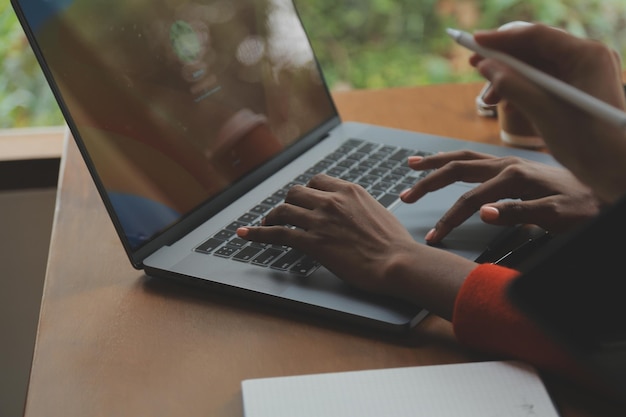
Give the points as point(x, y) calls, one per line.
point(195, 117)
point(574, 288)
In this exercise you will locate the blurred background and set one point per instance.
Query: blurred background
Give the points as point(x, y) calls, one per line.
point(361, 44)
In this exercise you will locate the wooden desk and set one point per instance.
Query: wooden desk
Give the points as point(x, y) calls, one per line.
point(112, 342)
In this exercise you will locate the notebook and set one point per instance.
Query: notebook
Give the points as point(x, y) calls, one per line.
point(194, 117)
point(575, 290)
point(468, 389)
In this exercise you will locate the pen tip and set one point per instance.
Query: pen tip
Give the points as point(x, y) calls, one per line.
point(453, 32)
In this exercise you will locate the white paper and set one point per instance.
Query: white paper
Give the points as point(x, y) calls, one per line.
point(483, 389)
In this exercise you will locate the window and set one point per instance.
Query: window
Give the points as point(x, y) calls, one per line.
point(360, 44)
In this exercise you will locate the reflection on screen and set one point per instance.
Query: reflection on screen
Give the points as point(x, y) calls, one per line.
point(173, 99)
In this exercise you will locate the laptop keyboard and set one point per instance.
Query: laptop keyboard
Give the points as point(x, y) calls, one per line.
point(380, 169)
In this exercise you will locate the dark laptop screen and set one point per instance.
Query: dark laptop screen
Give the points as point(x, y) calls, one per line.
point(175, 100)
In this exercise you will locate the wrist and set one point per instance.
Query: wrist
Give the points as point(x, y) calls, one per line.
point(428, 277)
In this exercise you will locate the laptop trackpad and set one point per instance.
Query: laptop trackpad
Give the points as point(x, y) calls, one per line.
point(469, 239)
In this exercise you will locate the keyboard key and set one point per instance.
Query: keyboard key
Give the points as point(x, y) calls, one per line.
point(210, 245)
point(369, 179)
point(357, 156)
point(272, 201)
point(305, 266)
point(382, 185)
point(248, 218)
point(349, 145)
point(387, 199)
point(237, 242)
point(235, 225)
point(401, 155)
point(303, 179)
point(397, 189)
point(388, 165)
point(379, 172)
point(267, 257)
point(285, 262)
point(335, 156)
point(412, 178)
point(283, 248)
point(376, 193)
point(378, 156)
point(260, 209)
point(346, 163)
point(282, 193)
point(259, 245)
point(246, 254)
point(369, 163)
point(350, 177)
point(402, 171)
point(358, 170)
point(368, 148)
point(226, 251)
point(288, 187)
point(224, 234)
point(336, 171)
point(394, 179)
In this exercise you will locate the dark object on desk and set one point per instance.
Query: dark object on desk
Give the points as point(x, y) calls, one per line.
point(575, 289)
point(29, 174)
point(515, 246)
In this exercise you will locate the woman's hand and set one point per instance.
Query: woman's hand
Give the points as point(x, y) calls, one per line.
point(511, 191)
point(339, 224)
point(592, 149)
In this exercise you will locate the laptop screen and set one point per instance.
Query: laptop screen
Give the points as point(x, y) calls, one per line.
point(176, 100)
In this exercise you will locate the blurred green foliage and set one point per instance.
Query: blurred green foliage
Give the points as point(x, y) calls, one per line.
point(383, 43)
point(25, 98)
point(360, 44)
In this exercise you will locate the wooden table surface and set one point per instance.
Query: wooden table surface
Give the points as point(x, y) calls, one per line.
point(113, 342)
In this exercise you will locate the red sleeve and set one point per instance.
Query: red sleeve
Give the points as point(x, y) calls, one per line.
point(485, 320)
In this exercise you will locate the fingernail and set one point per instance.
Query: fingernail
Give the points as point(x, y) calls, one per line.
point(243, 231)
point(489, 213)
point(415, 159)
point(430, 235)
point(404, 193)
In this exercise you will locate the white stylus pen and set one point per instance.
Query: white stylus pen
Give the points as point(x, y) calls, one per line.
point(557, 87)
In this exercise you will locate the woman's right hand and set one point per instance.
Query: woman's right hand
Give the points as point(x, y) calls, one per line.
point(592, 149)
point(511, 191)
